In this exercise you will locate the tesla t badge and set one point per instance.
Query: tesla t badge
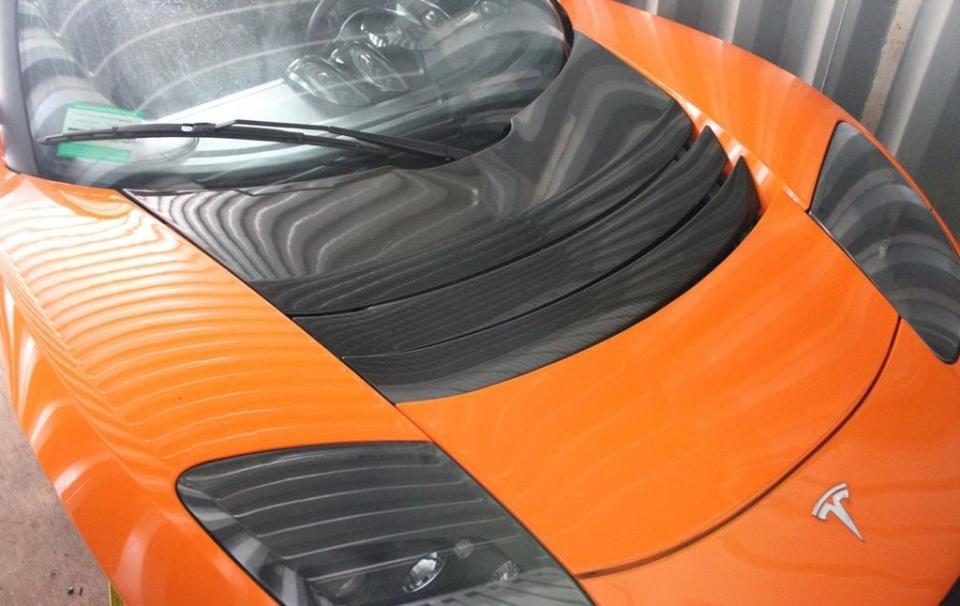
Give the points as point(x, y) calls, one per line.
point(832, 502)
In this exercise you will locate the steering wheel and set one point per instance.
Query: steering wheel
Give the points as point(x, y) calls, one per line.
point(325, 15)
point(372, 54)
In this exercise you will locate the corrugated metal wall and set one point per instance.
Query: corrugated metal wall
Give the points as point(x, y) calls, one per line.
point(895, 64)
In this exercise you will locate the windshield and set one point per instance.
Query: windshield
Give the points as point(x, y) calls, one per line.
point(448, 71)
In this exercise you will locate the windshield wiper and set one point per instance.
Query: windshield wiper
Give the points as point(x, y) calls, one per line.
point(258, 130)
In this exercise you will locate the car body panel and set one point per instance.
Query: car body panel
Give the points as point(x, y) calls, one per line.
point(447, 252)
point(647, 440)
point(780, 124)
point(894, 453)
point(132, 356)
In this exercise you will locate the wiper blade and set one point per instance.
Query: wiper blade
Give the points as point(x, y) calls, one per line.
point(428, 148)
point(275, 132)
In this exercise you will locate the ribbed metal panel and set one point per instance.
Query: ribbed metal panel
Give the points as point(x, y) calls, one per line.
point(890, 63)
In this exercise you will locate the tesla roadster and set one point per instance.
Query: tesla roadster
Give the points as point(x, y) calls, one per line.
point(347, 302)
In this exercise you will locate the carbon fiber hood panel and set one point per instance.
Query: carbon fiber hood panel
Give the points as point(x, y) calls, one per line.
point(593, 212)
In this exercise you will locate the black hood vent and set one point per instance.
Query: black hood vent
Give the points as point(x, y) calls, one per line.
point(595, 211)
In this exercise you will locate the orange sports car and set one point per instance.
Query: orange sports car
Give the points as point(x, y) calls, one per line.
point(346, 302)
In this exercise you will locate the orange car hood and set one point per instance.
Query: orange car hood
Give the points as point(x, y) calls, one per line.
point(642, 444)
point(619, 454)
point(636, 447)
point(649, 440)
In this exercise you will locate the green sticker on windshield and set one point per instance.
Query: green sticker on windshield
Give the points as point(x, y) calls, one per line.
point(88, 116)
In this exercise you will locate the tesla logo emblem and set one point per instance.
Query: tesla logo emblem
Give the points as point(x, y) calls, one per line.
point(832, 502)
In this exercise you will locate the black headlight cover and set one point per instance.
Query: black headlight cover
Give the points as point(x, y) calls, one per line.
point(380, 523)
point(869, 209)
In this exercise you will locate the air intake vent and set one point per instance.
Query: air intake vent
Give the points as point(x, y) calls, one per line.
point(596, 282)
point(596, 210)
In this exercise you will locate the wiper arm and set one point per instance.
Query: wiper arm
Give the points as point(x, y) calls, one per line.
point(427, 148)
point(257, 130)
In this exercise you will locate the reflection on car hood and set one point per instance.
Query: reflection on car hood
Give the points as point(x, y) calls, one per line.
point(443, 280)
point(595, 211)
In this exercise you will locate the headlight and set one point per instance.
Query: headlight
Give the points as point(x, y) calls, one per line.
point(395, 523)
point(865, 204)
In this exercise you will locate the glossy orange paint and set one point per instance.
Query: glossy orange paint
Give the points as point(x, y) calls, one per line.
point(897, 454)
point(133, 356)
point(778, 123)
point(646, 441)
point(642, 445)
